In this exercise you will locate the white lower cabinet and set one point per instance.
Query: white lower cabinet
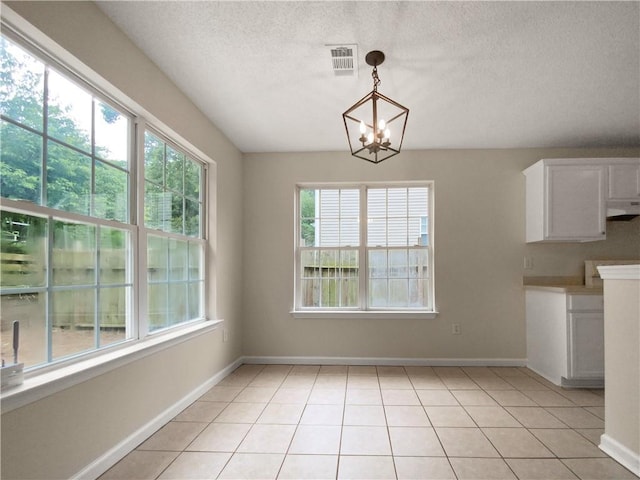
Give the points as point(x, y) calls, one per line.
point(586, 345)
point(565, 336)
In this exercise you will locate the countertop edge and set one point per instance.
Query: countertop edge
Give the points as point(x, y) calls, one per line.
point(572, 289)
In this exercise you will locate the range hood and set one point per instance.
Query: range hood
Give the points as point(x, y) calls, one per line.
point(622, 210)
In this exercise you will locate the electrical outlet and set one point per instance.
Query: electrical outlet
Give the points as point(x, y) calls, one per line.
point(225, 335)
point(455, 329)
point(528, 263)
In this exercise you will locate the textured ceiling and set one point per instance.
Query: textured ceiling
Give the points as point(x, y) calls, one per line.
point(474, 74)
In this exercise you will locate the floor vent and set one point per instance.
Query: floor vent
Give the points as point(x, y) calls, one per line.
point(343, 60)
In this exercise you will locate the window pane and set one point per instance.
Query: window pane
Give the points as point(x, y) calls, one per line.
point(418, 201)
point(308, 217)
point(174, 170)
point(111, 134)
point(398, 293)
point(112, 314)
point(349, 231)
point(192, 179)
point(195, 297)
point(24, 251)
point(157, 258)
point(311, 273)
point(157, 207)
point(73, 321)
point(397, 232)
point(349, 292)
point(378, 293)
point(418, 293)
point(329, 232)
point(419, 263)
point(415, 230)
point(376, 232)
point(177, 260)
point(153, 158)
point(157, 300)
point(397, 202)
point(192, 218)
point(398, 263)
point(114, 253)
point(195, 261)
point(68, 179)
point(20, 164)
point(112, 193)
point(177, 304)
point(69, 112)
point(378, 264)
point(22, 86)
point(74, 254)
point(376, 202)
point(31, 310)
point(177, 213)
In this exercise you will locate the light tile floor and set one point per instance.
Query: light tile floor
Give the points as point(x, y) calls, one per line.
point(366, 422)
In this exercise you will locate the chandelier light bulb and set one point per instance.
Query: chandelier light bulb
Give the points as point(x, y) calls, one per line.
point(381, 125)
point(387, 134)
point(370, 137)
point(363, 128)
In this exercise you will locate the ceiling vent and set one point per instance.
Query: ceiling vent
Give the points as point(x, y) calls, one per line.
point(343, 60)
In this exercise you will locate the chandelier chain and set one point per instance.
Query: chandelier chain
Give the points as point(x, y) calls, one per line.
point(376, 79)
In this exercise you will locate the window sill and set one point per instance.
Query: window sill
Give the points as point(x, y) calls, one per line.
point(381, 314)
point(42, 385)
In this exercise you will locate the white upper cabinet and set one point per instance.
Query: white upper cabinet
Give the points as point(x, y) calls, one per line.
point(624, 180)
point(566, 200)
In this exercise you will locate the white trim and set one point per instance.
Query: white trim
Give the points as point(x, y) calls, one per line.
point(40, 386)
point(621, 454)
point(414, 362)
point(381, 314)
point(114, 455)
point(619, 272)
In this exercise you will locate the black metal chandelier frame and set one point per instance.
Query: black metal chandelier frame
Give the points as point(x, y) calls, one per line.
point(376, 146)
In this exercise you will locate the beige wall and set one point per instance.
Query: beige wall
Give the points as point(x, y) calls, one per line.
point(479, 250)
point(58, 436)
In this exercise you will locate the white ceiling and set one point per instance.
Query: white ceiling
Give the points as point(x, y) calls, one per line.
point(474, 74)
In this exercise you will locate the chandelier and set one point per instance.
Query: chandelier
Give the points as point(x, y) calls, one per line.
point(375, 124)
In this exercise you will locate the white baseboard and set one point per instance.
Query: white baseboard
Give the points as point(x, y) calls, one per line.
point(621, 454)
point(113, 456)
point(414, 362)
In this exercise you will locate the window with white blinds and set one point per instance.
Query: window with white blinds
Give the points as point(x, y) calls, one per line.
point(365, 247)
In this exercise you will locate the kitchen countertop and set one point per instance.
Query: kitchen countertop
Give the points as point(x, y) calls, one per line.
point(571, 285)
point(571, 289)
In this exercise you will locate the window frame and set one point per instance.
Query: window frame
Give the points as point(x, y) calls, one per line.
point(138, 337)
point(363, 309)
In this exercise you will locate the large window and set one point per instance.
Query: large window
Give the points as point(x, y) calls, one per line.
point(81, 217)
point(364, 247)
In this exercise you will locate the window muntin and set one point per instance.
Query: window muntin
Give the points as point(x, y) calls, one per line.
point(385, 265)
point(69, 241)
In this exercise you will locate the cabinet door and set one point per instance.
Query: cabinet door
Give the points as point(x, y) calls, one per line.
point(586, 345)
point(575, 207)
point(624, 181)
